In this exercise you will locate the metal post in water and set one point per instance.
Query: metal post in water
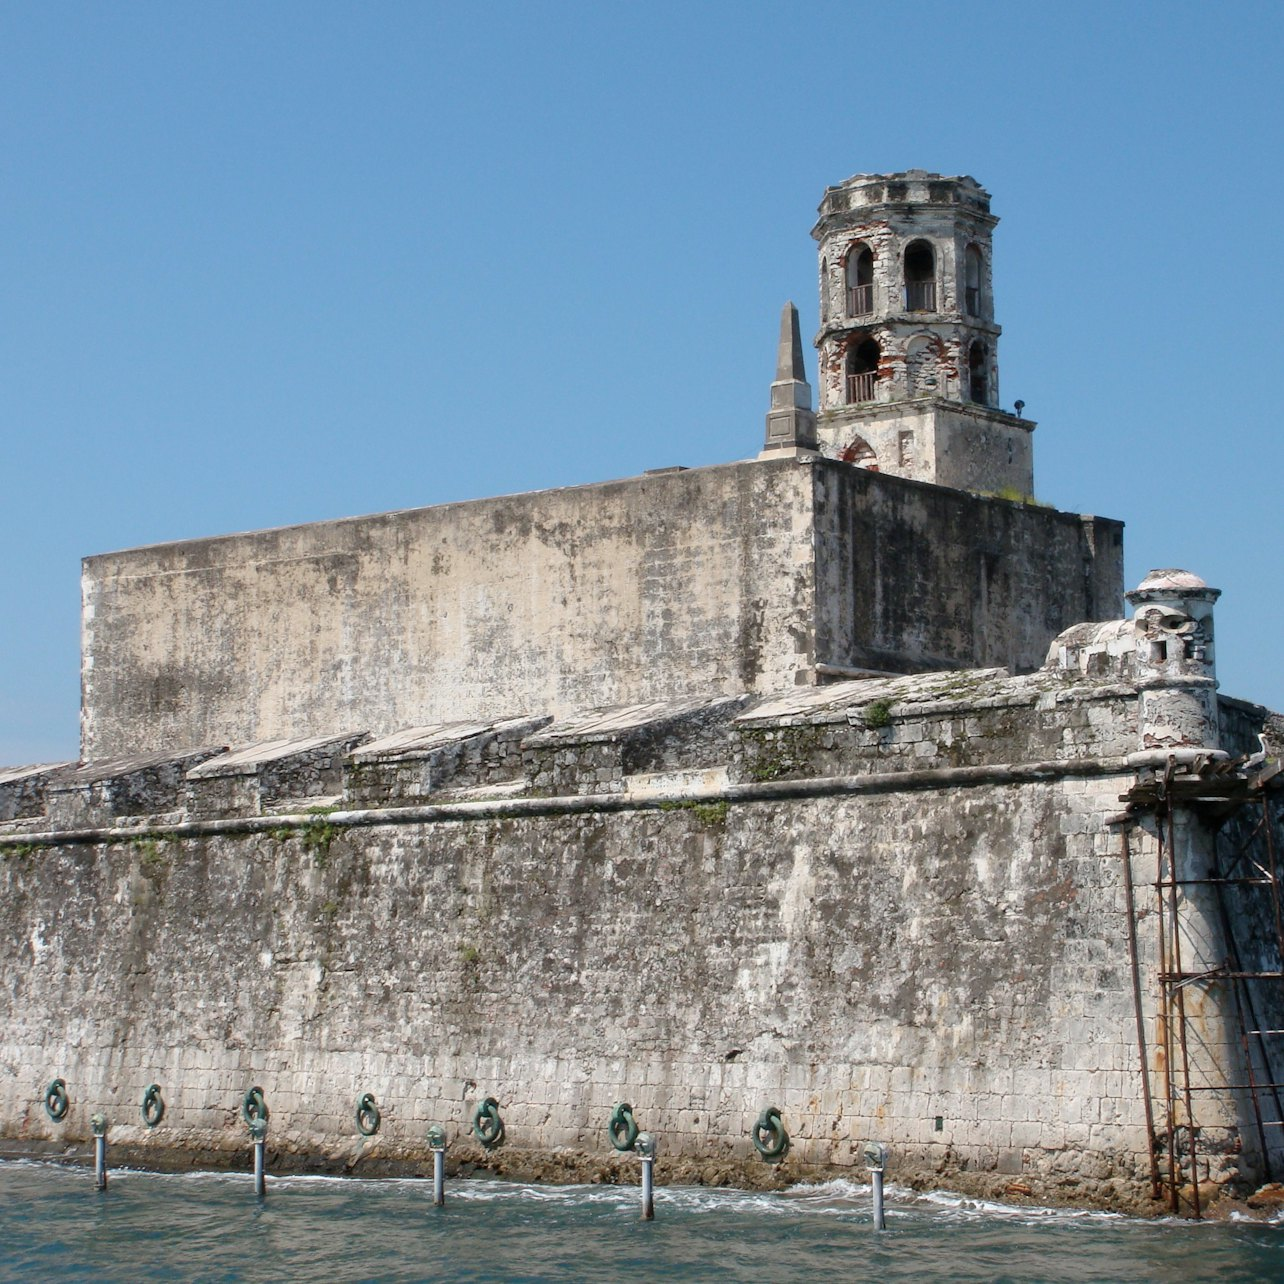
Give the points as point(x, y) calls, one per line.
point(646, 1147)
point(876, 1160)
point(437, 1144)
point(258, 1130)
point(99, 1124)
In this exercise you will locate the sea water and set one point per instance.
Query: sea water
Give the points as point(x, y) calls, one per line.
point(55, 1225)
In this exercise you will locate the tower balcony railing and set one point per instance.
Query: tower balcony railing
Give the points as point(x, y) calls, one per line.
point(860, 300)
point(920, 296)
point(860, 387)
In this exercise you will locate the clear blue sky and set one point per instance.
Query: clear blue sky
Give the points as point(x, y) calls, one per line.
point(266, 263)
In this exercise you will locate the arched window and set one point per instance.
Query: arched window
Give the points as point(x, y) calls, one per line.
point(862, 370)
point(824, 289)
point(977, 382)
point(920, 277)
point(972, 281)
point(860, 281)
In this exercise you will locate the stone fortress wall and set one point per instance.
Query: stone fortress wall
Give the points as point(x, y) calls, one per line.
point(640, 908)
point(891, 909)
point(709, 581)
point(807, 783)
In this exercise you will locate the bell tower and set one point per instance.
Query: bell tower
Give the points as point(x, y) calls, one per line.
point(908, 344)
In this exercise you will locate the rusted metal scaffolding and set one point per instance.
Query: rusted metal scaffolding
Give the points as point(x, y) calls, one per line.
point(1243, 866)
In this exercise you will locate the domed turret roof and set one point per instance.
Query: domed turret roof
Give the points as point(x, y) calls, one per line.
point(1170, 579)
point(1169, 582)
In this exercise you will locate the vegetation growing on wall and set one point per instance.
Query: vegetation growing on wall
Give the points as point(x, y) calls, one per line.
point(774, 754)
point(878, 714)
point(710, 814)
point(316, 834)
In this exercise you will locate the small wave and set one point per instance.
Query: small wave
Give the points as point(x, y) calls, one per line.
point(1275, 1219)
point(840, 1197)
point(836, 1188)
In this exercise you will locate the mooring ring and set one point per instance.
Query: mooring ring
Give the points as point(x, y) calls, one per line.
point(487, 1125)
point(153, 1105)
point(367, 1115)
point(622, 1128)
point(254, 1105)
point(770, 1139)
point(57, 1103)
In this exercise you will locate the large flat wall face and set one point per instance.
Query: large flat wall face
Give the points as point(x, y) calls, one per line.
point(912, 577)
point(930, 439)
point(654, 587)
point(724, 580)
point(945, 973)
point(978, 450)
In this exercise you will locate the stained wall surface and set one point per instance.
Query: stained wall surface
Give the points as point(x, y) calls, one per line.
point(863, 964)
point(893, 909)
point(738, 578)
point(652, 587)
point(915, 577)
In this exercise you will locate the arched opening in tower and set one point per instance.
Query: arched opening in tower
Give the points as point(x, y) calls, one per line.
point(977, 383)
point(862, 370)
point(922, 365)
point(860, 281)
point(859, 452)
point(972, 280)
point(920, 277)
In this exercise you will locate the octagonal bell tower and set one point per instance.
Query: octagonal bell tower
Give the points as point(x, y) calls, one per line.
point(908, 344)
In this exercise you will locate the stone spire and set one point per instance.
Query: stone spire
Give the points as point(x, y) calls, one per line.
point(791, 423)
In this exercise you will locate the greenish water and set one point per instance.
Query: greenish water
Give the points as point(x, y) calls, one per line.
point(206, 1226)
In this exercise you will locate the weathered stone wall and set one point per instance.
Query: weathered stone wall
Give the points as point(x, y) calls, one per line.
point(654, 587)
point(916, 576)
point(866, 964)
point(948, 443)
point(733, 579)
point(894, 909)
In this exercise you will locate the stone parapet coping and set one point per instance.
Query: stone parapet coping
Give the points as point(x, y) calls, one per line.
point(513, 808)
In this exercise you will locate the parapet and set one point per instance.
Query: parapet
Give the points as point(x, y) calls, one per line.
point(129, 786)
point(888, 730)
point(909, 187)
point(415, 764)
point(23, 790)
point(273, 774)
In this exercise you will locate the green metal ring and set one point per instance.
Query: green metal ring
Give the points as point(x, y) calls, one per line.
point(770, 1139)
point(153, 1105)
point(622, 1128)
point(368, 1116)
point(254, 1105)
point(488, 1127)
point(57, 1103)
